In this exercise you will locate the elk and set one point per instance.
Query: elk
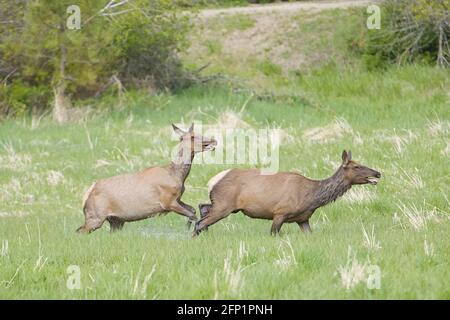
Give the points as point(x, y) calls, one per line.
point(281, 197)
point(141, 195)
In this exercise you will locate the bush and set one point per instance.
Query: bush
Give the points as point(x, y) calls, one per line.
point(136, 42)
point(411, 31)
point(148, 52)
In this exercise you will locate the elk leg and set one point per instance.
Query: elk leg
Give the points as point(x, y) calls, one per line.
point(276, 225)
point(304, 226)
point(185, 205)
point(91, 225)
point(179, 208)
point(204, 209)
point(92, 220)
point(190, 208)
point(95, 213)
point(115, 223)
point(212, 217)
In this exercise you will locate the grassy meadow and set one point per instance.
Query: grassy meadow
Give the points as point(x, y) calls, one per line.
point(396, 121)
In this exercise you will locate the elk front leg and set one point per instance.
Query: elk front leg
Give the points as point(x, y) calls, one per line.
point(276, 224)
point(190, 208)
point(204, 209)
point(115, 223)
point(181, 209)
point(304, 226)
point(215, 213)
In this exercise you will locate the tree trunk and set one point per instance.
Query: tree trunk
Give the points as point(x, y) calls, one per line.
point(61, 105)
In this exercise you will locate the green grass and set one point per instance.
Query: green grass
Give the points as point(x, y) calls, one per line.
point(397, 122)
point(269, 68)
point(239, 22)
point(214, 47)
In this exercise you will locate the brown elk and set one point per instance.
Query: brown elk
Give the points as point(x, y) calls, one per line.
point(281, 197)
point(141, 195)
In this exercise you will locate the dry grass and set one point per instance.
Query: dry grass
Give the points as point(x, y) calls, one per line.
point(14, 161)
point(446, 151)
point(359, 195)
point(232, 274)
point(231, 120)
point(286, 255)
point(19, 214)
point(412, 180)
point(353, 272)
point(55, 178)
point(399, 141)
point(428, 248)
point(438, 127)
point(369, 240)
point(329, 133)
point(139, 288)
point(417, 216)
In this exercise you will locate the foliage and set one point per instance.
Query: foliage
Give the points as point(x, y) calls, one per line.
point(411, 31)
point(149, 47)
point(136, 42)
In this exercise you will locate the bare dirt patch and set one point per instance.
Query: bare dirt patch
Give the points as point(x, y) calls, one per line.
point(275, 40)
point(285, 8)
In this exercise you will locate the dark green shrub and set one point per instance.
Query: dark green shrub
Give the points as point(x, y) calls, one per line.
point(411, 31)
point(136, 43)
point(148, 52)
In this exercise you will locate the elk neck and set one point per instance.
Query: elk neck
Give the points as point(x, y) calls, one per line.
point(330, 189)
point(181, 165)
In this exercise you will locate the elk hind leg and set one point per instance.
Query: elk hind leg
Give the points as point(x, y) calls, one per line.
point(90, 225)
point(92, 218)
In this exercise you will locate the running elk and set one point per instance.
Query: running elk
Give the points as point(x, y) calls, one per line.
point(282, 197)
point(141, 195)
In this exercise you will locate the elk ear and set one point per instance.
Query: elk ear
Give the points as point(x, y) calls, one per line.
point(178, 131)
point(191, 128)
point(345, 158)
point(349, 155)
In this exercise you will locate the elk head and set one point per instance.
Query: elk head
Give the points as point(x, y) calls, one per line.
point(356, 173)
point(193, 143)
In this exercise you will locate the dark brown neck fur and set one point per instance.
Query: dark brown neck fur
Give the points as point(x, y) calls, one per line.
point(330, 189)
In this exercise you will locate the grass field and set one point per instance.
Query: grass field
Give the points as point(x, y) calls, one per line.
point(396, 121)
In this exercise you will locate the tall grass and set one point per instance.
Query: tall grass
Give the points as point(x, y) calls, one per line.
point(45, 168)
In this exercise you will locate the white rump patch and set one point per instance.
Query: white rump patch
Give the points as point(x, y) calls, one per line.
point(214, 180)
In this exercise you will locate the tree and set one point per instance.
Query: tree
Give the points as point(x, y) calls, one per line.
point(131, 39)
point(411, 31)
